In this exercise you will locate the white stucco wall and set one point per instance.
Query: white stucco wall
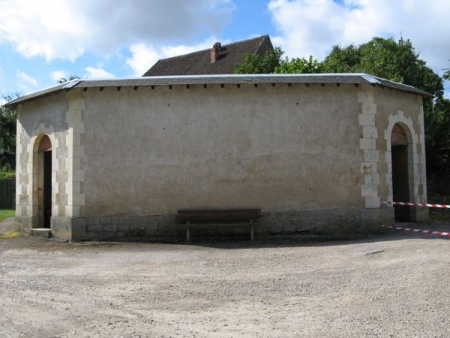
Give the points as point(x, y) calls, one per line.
point(278, 148)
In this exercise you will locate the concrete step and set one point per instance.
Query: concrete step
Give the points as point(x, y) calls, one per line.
point(41, 232)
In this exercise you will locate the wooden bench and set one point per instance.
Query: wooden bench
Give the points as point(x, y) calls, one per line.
point(219, 217)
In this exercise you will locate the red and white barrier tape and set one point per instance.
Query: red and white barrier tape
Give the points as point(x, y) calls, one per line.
point(425, 205)
point(422, 231)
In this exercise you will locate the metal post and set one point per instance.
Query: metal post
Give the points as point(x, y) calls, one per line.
point(187, 232)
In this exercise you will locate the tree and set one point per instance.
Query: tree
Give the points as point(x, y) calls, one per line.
point(438, 147)
point(260, 64)
point(8, 136)
point(386, 58)
point(70, 78)
point(299, 66)
point(342, 60)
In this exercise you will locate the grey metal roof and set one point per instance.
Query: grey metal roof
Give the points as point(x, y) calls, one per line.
point(345, 78)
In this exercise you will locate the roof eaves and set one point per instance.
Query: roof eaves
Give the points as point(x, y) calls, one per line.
point(404, 87)
point(46, 91)
point(355, 78)
point(349, 78)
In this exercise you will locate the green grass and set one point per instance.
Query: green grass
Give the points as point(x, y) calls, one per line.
point(6, 213)
point(7, 174)
point(10, 234)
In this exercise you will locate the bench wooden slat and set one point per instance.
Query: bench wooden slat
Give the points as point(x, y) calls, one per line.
point(218, 211)
point(218, 217)
point(204, 225)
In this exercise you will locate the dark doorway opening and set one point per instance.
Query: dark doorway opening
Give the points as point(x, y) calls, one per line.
point(400, 182)
point(47, 188)
point(43, 183)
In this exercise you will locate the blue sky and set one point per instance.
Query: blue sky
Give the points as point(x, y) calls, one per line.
point(42, 41)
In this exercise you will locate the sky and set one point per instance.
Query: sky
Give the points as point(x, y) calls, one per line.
point(46, 40)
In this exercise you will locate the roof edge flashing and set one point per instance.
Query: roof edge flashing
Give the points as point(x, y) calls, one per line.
point(371, 79)
point(342, 78)
point(71, 84)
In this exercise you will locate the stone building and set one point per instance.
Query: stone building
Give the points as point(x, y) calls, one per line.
point(318, 153)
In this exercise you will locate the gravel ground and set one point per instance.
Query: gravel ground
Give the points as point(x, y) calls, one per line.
point(390, 285)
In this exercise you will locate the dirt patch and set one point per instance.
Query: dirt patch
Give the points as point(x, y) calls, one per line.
point(8, 225)
point(395, 284)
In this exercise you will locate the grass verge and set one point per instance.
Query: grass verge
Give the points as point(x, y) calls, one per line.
point(10, 234)
point(6, 213)
point(7, 174)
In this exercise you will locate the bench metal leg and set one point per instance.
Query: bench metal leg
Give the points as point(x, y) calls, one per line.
point(188, 237)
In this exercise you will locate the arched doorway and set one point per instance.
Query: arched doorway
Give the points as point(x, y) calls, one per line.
point(400, 172)
point(44, 182)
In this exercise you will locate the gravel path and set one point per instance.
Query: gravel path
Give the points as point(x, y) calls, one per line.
point(391, 285)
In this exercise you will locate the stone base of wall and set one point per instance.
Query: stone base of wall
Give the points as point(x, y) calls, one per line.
point(334, 221)
point(25, 224)
point(128, 227)
point(164, 227)
point(420, 214)
point(62, 227)
point(372, 219)
point(311, 221)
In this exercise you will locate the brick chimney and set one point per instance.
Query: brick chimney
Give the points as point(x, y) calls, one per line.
point(215, 51)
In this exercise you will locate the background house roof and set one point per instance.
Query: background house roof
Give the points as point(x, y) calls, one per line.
point(241, 79)
point(198, 63)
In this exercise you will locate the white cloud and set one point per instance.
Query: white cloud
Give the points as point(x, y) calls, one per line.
point(67, 28)
point(25, 81)
point(2, 79)
point(142, 58)
point(58, 75)
point(98, 73)
point(312, 27)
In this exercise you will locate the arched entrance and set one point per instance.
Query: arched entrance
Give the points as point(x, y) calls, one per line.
point(44, 182)
point(400, 172)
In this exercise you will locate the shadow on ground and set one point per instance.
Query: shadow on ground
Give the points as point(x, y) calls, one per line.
point(8, 229)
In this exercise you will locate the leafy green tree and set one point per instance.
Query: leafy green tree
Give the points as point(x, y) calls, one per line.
point(438, 147)
point(8, 136)
point(386, 58)
point(342, 60)
point(260, 64)
point(70, 78)
point(299, 66)
point(447, 74)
